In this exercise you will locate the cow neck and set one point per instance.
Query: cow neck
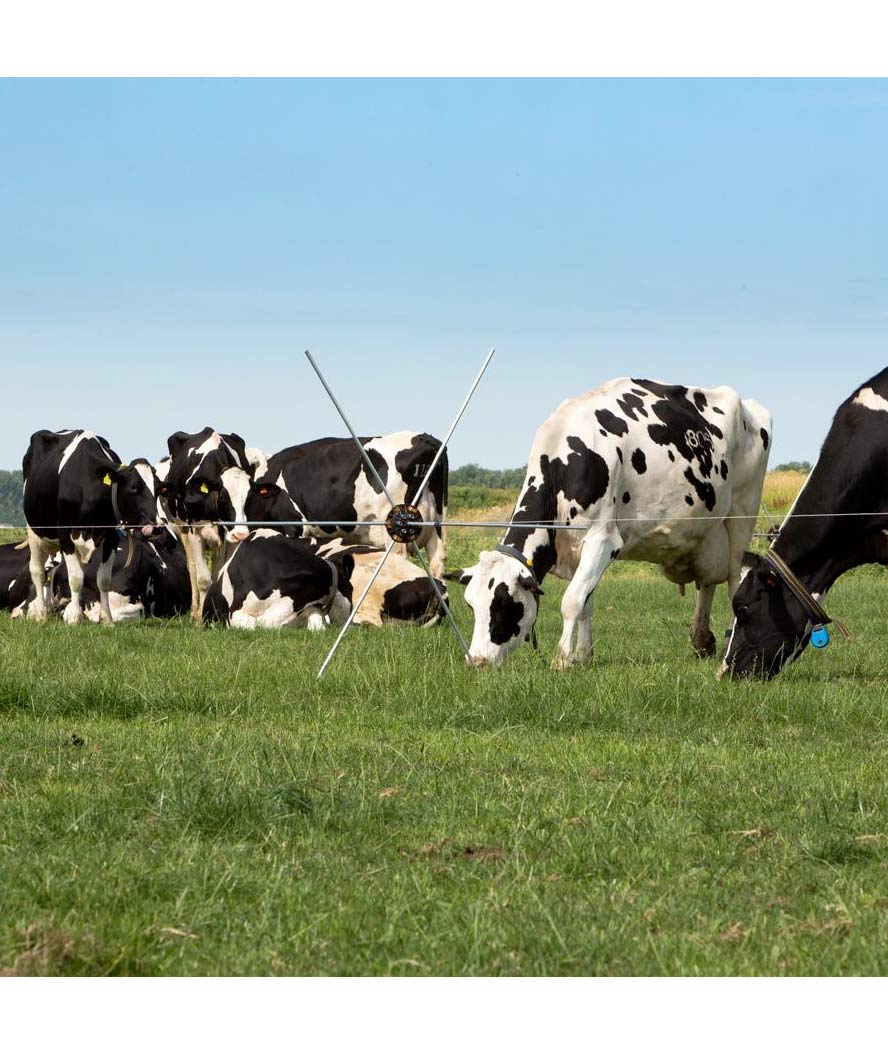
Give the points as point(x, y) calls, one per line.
point(820, 548)
point(536, 545)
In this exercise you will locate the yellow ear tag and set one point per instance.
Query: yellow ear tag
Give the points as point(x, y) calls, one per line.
point(123, 464)
point(530, 563)
point(107, 479)
point(204, 489)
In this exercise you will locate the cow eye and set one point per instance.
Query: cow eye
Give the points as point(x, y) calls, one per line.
point(741, 610)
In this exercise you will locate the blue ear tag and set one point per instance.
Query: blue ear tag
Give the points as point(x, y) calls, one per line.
point(819, 637)
point(121, 533)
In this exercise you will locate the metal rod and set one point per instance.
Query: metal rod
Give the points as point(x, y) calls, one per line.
point(444, 605)
point(452, 428)
point(355, 608)
point(346, 422)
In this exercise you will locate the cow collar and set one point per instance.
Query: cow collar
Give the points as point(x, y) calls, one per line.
point(510, 550)
point(815, 611)
point(129, 534)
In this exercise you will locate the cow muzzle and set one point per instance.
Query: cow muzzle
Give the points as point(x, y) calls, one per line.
point(238, 534)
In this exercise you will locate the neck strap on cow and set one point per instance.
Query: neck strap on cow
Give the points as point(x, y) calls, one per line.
point(814, 610)
point(119, 519)
point(510, 550)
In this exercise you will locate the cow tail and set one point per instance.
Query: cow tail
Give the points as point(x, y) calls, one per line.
point(445, 488)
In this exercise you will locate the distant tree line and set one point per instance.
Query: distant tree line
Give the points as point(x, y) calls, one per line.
point(11, 498)
point(495, 478)
point(793, 466)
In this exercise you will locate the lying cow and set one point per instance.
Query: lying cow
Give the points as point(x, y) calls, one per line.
point(646, 471)
point(838, 521)
point(151, 581)
point(328, 480)
point(274, 582)
point(401, 593)
point(205, 480)
point(77, 493)
point(15, 580)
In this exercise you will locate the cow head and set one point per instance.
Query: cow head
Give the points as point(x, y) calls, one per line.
point(770, 626)
point(504, 598)
point(133, 493)
point(222, 498)
point(269, 503)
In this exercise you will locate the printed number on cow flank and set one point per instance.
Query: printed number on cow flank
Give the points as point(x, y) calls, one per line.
point(698, 440)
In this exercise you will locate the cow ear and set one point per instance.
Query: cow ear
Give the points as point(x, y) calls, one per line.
point(462, 577)
point(264, 489)
point(205, 484)
point(527, 582)
point(109, 473)
point(236, 442)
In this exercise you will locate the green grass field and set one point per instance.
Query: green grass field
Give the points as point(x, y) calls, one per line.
point(186, 801)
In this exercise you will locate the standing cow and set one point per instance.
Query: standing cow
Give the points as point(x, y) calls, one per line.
point(328, 480)
point(205, 480)
point(838, 521)
point(77, 494)
point(648, 471)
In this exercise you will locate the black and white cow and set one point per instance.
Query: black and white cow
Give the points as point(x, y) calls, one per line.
point(76, 494)
point(327, 480)
point(206, 479)
point(850, 480)
point(274, 582)
point(401, 593)
point(15, 579)
point(647, 471)
point(152, 581)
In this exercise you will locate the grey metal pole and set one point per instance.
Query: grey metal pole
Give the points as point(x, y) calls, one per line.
point(444, 605)
point(452, 428)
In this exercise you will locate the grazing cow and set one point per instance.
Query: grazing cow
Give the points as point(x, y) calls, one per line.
point(76, 495)
point(205, 480)
point(151, 582)
point(401, 592)
point(645, 471)
point(328, 480)
point(15, 581)
point(839, 520)
point(274, 582)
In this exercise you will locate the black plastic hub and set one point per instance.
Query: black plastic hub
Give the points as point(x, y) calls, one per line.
point(403, 523)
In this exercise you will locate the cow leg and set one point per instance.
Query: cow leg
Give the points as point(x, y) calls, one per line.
point(576, 606)
point(37, 569)
point(702, 637)
point(434, 547)
point(202, 580)
point(74, 611)
point(103, 578)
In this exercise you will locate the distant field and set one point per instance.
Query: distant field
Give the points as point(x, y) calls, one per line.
point(183, 800)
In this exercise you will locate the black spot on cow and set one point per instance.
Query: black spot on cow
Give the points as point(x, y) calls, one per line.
point(410, 600)
point(700, 401)
point(583, 479)
point(640, 393)
point(626, 498)
point(611, 422)
point(718, 410)
point(671, 455)
point(705, 491)
point(764, 436)
point(378, 462)
point(689, 499)
point(603, 432)
point(631, 405)
point(505, 615)
point(724, 470)
point(490, 583)
point(573, 512)
point(620, 454)
point(615, 553)
point(683, 425)
point(639, 462)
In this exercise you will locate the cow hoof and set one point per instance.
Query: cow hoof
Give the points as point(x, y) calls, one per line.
point(35, 615)
point(71, 615)
point(704, 647)
point(561, 662)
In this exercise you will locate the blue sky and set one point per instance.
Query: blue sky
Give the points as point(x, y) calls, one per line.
point(169, 248)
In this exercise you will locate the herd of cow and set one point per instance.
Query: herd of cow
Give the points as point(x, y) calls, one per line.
point(635, 469)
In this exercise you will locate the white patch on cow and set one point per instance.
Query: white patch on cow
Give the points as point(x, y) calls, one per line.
point(146, 475)
point(75, 442)
point(870, 400)
point(162, 468)
point(236, 484)
point(257, 460)
point(84, 547)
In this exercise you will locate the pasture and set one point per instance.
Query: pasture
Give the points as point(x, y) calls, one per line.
point(178, 800)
